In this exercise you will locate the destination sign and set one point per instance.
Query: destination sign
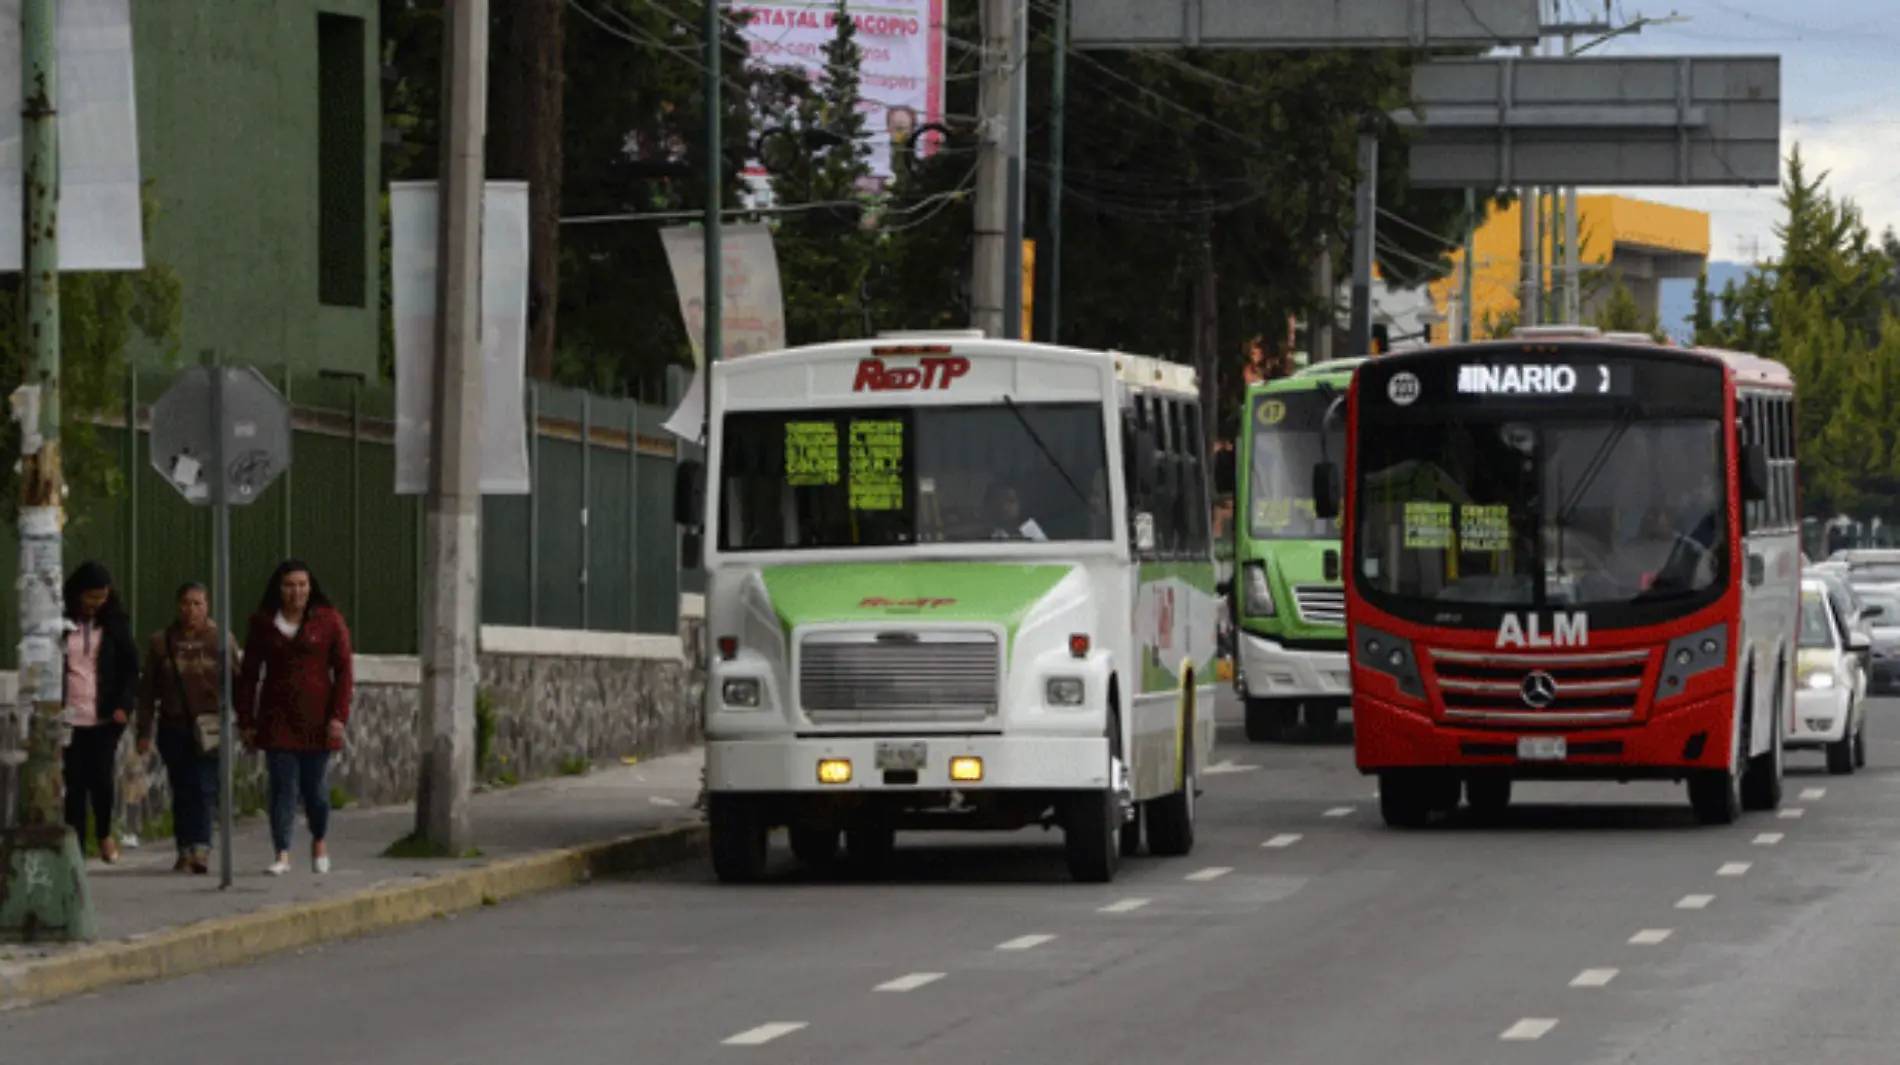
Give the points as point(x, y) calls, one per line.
point(1545, 379)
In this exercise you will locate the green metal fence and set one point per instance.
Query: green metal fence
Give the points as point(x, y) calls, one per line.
point(594, 546)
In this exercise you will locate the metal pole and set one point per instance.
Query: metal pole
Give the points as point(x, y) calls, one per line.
point(989, 267)
point(714, 295)
point(1058, 106)
point(633, 515)
point(1527, 302)
point(450, 668)
point(221, 548)
point(1573, 260)
point(1363, 235)
point(587, 484)
point(42, 621)
point(534, 504)
point(356, 494)
point(289, 475)
point(1466, 305)
point(1018, 143)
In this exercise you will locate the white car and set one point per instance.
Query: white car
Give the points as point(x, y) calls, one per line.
point(1831, 696)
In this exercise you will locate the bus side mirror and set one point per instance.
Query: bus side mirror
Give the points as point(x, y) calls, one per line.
point(1754, 473)
point(1325, 491)
point(1224, 472)
point(689, 494)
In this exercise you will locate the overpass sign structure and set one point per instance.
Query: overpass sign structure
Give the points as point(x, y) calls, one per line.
point(1288, 24)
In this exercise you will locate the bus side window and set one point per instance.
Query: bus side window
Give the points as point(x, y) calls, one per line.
point(1199, 533)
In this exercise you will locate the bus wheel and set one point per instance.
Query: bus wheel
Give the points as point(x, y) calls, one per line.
point(1269, 720)
point(1091, 829)
point(813, 846)
point(1761, 788)
point(1488, 795)
point(1860, 744)
point(1716, 794)
point(737, 838)
point(1171, 817)
point(1406, 798)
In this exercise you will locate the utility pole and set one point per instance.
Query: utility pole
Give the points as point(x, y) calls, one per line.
point(450, 668)
point(1018, 149)
point(1365, 232)
point(1319, 335)
point(989, 269)
point(713, 343)
point(56, 903)
point(1529, 306)
point(1465, 330)
point(1059, 105)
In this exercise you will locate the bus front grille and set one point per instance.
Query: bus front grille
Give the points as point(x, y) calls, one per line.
point(922, 678)
point(1321, 604)
point(1485, 688)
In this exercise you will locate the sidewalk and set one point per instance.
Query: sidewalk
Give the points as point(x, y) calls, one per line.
point(154, 922)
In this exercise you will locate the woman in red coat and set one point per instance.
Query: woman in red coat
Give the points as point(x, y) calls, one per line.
point(295, 711)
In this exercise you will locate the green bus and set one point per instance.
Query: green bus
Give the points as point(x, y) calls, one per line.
point(1288, 603)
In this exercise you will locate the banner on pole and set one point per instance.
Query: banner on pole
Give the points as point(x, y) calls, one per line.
point(413, 207)
point(753, 318)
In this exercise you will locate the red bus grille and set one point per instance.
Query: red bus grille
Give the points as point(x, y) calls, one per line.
point(1487, 688)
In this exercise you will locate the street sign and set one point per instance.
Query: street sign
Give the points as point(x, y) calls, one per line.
point(256, 435)
point(1249, 24)
point(1703, 121)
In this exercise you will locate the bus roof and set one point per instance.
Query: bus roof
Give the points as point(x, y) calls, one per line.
point(1748, 369)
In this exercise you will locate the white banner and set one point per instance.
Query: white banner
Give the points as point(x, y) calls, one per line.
point(413, 207)
point(901, 73)
point(754, 308)
point(100, 223)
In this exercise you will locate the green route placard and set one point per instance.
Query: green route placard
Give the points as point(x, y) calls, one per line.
point(1428, 526)
point(877, 465)
point(811, 454)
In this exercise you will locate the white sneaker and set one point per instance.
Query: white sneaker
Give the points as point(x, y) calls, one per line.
point(279, 867)
point(321, 865)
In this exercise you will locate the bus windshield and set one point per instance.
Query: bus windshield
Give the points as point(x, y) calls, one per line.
point(1525, 503)
point(907, 475)
point(1292, 432)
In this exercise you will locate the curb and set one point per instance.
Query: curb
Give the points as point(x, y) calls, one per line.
point(228, 941)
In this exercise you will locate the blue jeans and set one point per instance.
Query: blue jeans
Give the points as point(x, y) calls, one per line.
point(294, 774)
point(194, 783)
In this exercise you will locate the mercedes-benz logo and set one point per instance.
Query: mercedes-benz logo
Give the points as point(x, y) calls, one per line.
point(1539, 689)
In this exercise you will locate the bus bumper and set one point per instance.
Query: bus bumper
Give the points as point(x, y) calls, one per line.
point(1695, 736)
point(1269, 671)
point(1007, 763)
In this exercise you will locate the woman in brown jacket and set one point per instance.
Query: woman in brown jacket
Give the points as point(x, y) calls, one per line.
point(180, 697)
point(293, 700)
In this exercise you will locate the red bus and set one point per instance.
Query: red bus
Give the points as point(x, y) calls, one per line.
point(1570, 556)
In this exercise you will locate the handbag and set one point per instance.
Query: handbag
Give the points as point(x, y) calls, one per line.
point(206, 729)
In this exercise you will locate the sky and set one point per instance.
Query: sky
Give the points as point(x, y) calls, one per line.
point(1840, 99)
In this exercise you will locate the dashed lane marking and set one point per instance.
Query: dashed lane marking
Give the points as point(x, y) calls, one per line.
point(1811, 794)
point(1649, 937)
point(1791, 813)
point(1529, 1028)
point(1768, 839)
point(1124, 906)
point(1227, 766)
point(1214, 872)
point(1695, 902)
point(763, 1034)
point(1734, 868)
point(1594, 978)
point(911, 982)
point(1024, 942)
point(1284, 839)
point(1340, 811)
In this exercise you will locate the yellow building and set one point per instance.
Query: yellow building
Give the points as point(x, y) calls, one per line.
point(1640, 241)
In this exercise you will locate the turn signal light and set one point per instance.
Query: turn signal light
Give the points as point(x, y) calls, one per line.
point(728, 647)
point(834, 771)
point(968, 769)
point(1079, 644)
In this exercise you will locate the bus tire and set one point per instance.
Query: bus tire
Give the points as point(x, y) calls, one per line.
point(1171, 817)
point(737, 836)
point(813, 846)
point(1860, 744)
point(1091, 836)
point(1131, 835)
point(1761, 787)
point(1716, 794)
point(1269, 720)
point(1405, 798)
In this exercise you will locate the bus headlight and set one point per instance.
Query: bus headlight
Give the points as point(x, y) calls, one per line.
point(743, 692)
point(1259, 601)
point(1064, 691)
point(1818, 680)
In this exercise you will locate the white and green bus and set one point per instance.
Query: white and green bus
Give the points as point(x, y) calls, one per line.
point(953, 583)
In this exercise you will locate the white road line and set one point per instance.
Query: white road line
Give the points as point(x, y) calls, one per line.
point(1124, 906)
point(1733, 868)
point(1811, 794)
point(1214, 872)
point(1340, 811)
point(1529, 1028)
point(1227, 766)
point(1024, 942)
point(1594, 978)
point(1284, 839)
point(661, 800)
point(1695, 902)
point(764, 1033)
point(1649, 937)
point(1768, 839)
point(911, 982)
point(1791, 813)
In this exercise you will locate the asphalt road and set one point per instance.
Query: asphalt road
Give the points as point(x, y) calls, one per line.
point(1596, 924)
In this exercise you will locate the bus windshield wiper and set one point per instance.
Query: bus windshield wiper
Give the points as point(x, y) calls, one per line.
point(1046, 453)
point(1625, 418)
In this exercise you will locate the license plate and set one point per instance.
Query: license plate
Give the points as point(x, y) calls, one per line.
point(1542, 748)
point(901, 755)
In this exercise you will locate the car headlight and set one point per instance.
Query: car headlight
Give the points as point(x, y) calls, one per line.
point(1819, 680)
point(1064, 691)
point(741, 692)
point(1259, 600)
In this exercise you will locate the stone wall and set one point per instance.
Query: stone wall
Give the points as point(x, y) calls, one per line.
point(552, 696)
